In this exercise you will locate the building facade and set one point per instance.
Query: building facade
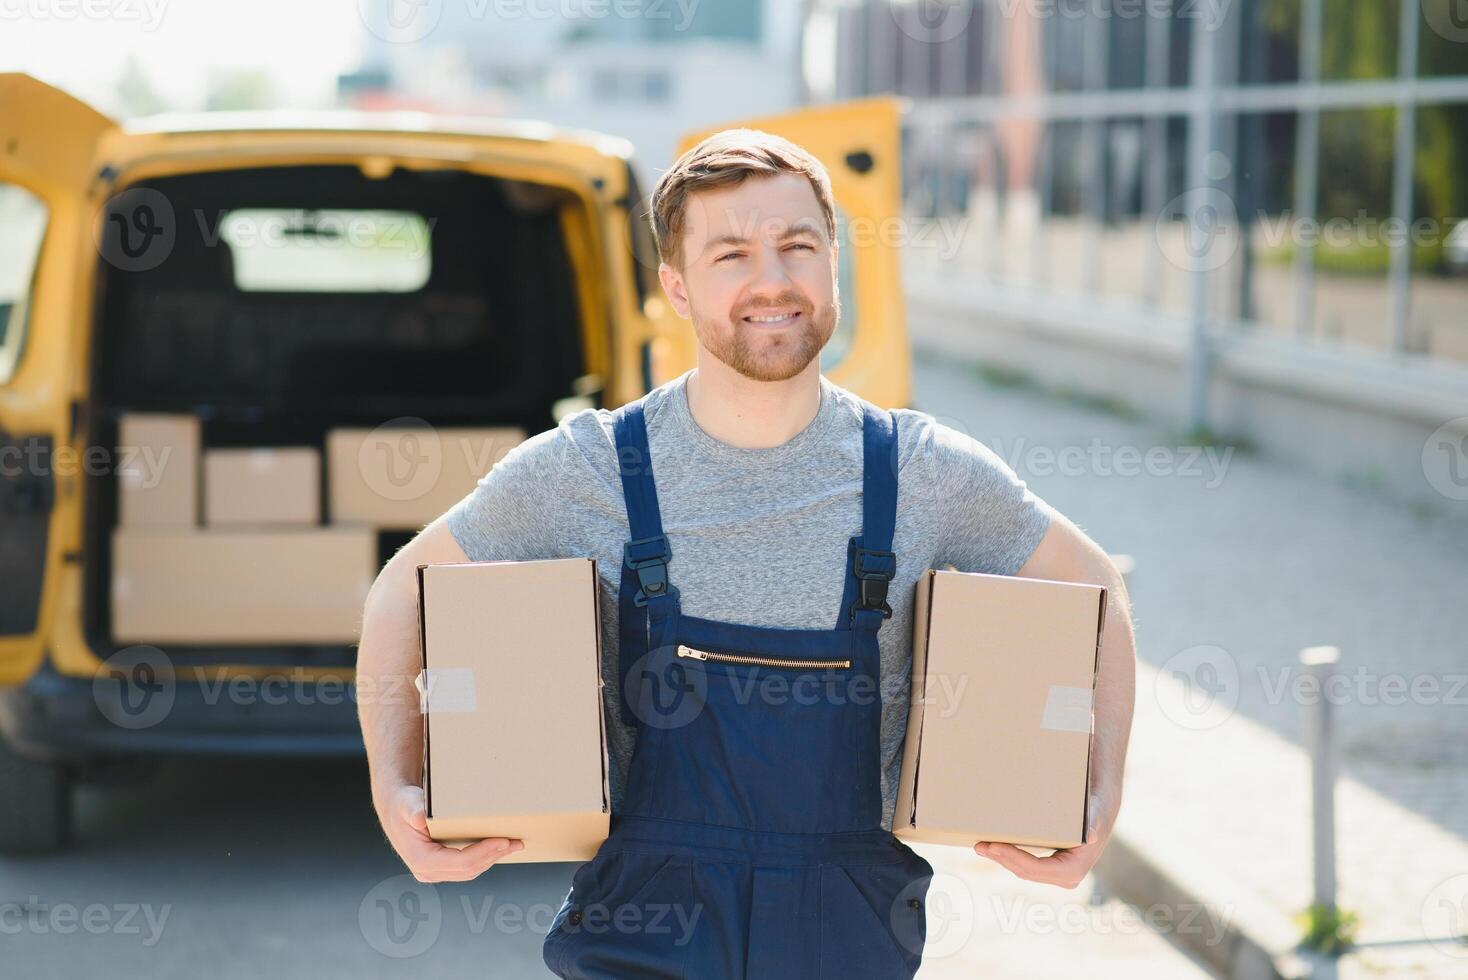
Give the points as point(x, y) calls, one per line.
point(1284, 173)
point(645, 70)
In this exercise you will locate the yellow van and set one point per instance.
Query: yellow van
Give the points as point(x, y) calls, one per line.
point(133, 279)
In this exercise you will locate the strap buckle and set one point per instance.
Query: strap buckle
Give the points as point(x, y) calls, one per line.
point(874, 571)
point(648, 557)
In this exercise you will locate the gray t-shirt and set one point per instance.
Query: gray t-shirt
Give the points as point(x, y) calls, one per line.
point(758, 535)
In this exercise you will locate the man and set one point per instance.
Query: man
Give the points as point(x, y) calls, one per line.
point(729, 510)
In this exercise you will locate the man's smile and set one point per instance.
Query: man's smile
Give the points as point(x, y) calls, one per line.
point(773, 319)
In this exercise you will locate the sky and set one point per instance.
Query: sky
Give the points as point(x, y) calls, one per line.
point(83, 46)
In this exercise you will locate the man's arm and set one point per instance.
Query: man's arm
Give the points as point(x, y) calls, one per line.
point(388, 659)
point(1066, 554)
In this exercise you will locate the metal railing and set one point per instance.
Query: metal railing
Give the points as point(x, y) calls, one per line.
point(1206, 103)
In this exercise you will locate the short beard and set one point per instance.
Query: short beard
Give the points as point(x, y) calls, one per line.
point(778, 359)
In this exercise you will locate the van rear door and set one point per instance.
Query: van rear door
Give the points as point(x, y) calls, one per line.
point(860, 142)
point(48, 142)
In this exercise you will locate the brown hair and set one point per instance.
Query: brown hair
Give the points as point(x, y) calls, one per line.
point(722, 160)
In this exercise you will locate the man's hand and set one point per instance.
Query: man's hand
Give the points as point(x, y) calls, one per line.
point(1065, 868)
point(407, 828)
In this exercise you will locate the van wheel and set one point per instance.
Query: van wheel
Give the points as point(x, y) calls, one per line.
point(35, 804)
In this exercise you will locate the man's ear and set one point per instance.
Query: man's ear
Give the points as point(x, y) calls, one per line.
point(673, 287)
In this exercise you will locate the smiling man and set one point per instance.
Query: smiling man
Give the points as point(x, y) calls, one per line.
point(752, 520)
point(768, 335)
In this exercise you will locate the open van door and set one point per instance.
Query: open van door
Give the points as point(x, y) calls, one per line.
point(48, 142)
point(860, 143)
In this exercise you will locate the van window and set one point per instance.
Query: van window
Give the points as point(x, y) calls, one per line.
point(327, 251)
point(22, 227)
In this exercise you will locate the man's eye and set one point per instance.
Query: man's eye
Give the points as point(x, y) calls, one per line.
point(805, 245)
point(729, 255)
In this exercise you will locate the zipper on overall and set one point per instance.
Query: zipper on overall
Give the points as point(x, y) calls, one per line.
point(740, 658)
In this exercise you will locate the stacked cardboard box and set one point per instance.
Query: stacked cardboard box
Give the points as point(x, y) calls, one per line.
point(263, 487)
point(221, 585)
point(158, 471)
point(403, 477)
point(263, 568)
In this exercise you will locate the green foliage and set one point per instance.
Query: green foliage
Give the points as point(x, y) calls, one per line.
point(1357, 259)
point(1360, 39)
point(1000, 376)
point(1327, 930)
point(1206, 437)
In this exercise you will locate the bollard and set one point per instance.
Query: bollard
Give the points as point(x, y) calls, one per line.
point(1321, 663)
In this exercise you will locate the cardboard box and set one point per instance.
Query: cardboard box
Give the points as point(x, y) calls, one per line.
point(513, 741)
point(402, 478)
point(158, 470)
point(262, 486)
point(999, 731)
point(239, 586)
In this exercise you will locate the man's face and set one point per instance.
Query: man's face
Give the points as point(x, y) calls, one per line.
point(759, 275)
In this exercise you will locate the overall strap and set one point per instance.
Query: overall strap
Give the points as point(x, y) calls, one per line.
point(873, 562)
point(647, 599)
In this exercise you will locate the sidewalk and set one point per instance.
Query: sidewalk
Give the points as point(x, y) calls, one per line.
point(1241, 561)
point(985, 922)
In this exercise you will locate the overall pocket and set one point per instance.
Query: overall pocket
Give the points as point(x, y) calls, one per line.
point(632, 914)
point(757, 660)
point(873, 919)
point(774, 740)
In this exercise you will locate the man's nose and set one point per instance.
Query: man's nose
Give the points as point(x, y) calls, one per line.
point(770, 273)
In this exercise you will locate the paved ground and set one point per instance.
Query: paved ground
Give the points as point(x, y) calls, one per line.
point(1240, 563)
point(250, 869)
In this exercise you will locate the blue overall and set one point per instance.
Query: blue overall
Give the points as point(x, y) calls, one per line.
point(749, 843)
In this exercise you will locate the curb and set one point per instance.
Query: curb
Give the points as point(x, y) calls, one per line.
point(1126, 871)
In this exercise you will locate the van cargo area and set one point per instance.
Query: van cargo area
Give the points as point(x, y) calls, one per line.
point(491, 334)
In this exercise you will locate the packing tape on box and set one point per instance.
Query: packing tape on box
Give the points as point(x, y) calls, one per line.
point(1067, 709)
point(445, 690)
